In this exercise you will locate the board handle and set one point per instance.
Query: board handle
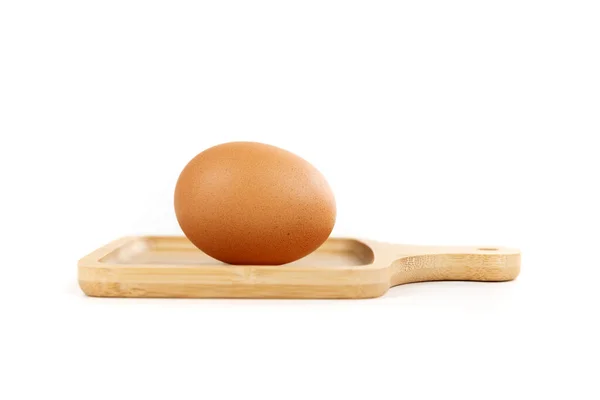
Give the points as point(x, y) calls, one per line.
point(488, 264)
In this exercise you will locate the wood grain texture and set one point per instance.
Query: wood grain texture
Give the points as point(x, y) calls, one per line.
point(157, 266)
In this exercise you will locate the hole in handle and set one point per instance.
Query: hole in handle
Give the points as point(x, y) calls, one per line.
point(488, 248)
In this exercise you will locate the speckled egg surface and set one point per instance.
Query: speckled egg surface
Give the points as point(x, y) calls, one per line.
point(252, 203)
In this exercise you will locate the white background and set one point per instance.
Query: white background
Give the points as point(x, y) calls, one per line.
point(435, 122)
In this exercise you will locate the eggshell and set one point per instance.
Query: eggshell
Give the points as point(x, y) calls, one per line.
point(253, 203)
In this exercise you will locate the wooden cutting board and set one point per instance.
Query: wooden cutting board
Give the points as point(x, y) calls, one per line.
point(159, 266)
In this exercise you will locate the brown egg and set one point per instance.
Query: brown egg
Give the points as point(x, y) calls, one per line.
point(252, 203)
